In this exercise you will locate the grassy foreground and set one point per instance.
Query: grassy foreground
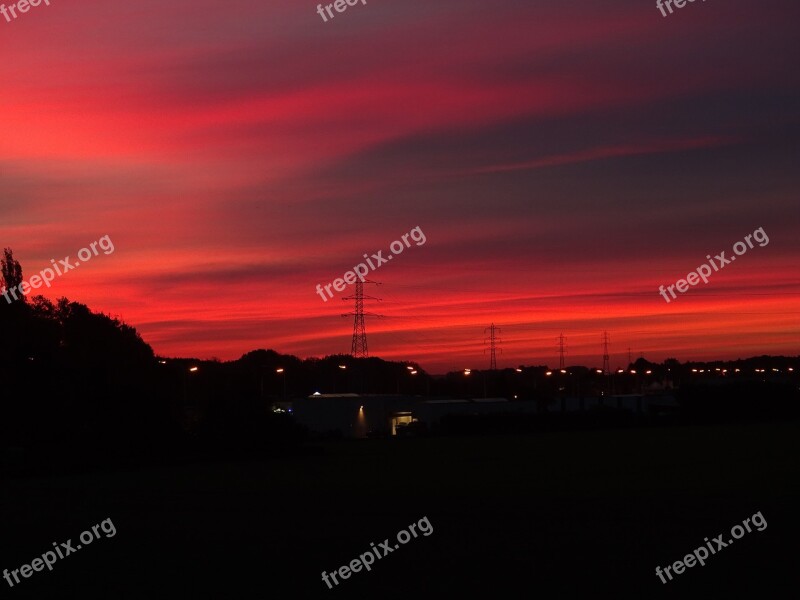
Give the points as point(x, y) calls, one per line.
point(572, 514)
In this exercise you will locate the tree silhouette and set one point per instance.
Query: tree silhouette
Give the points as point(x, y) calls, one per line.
point(12, 270)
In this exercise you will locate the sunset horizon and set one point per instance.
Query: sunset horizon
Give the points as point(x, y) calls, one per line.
point(399, 299)
point(563, 164)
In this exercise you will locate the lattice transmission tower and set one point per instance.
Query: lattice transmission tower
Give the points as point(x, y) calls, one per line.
point(561, 351)
point(358, 348)
point(606, 366)
point(493, 347)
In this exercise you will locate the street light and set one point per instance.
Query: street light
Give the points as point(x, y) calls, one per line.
point(280, 370)
point(468, 372)
point(185, 377)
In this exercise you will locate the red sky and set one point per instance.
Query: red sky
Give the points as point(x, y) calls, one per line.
point(563, 159)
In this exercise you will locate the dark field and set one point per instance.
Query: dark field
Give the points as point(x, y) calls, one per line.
point(577, 514)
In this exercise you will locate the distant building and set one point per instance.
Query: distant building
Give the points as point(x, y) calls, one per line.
point(354, 415)
point(431, 412)
point(357, 416)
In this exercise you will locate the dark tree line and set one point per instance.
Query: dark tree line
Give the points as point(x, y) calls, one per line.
point(74, 381)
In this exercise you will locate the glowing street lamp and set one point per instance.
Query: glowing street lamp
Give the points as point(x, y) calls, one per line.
point(185, 377)
point(344, 378)
point(468, 372)
point(282, 372)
